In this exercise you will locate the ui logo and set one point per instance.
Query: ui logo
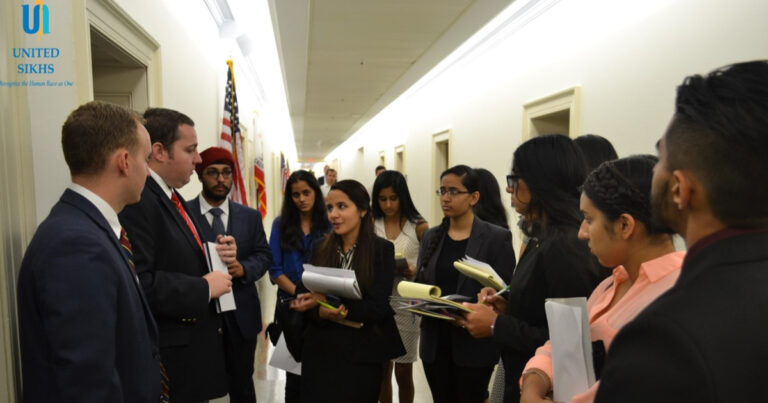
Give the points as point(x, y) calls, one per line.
point(37, 23)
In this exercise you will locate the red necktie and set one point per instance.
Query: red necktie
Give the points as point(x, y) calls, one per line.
point(127, 246)
point(177, 202)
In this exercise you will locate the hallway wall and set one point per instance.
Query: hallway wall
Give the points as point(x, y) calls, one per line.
point(627, 57)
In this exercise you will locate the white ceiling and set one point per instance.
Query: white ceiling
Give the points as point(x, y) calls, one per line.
point(343, 61)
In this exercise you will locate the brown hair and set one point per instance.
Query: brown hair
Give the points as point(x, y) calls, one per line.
point(163, 126)
point(95, 130)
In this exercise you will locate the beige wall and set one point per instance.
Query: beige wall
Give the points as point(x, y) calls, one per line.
point(628, 57)
point(191, 78)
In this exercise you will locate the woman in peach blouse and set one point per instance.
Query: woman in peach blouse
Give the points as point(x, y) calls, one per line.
point(615, 201)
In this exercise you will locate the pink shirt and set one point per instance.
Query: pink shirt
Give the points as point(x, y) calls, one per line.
point(654, 278)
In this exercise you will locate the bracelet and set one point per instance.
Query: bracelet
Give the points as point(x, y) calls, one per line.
point(543, 376)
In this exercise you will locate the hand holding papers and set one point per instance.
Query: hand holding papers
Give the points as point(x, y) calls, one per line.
point(571, 342)
point(225, 302)
point(327, 280)
point(425, 300)
point(480, 271)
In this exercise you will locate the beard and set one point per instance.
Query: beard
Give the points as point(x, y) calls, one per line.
point(216, 195)
point(664, 216)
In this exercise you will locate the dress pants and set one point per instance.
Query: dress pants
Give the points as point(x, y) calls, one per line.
point(239, 354)
point(451, 383)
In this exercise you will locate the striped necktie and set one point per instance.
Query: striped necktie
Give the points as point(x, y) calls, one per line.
point(164, 383)
point(126, 244)
point(177, 203)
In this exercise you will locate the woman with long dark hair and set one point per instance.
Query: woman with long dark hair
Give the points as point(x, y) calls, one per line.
point(546, 174)
point(397, 220)
point(302, 221)
point(458, 367)
point(616, 205)
point(490, 208)
point(342, 363)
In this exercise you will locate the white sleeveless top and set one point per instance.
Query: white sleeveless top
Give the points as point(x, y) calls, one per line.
point(406, 243)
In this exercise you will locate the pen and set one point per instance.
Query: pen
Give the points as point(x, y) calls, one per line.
point(502, 291)
point(329, 306)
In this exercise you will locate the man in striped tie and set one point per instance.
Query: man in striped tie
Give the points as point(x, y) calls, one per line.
point(86, 330)
point(171, 263)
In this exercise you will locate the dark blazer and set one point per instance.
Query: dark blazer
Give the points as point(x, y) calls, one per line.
point(559, 266)
point(343, 364)
point(488, 243)
point(170, 266)
point(378, 340)
point(253, 252)
point(702, 341)
point(86, 331)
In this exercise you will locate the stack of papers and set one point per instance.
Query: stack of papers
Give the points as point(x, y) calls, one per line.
point(571, 341)
point(328, 280)
point(425, 300)
point(480, 271)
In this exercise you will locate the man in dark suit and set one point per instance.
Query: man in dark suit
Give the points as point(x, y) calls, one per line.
point(171, 263)
point(86, 331)
point(217, 217)
point(705, 339)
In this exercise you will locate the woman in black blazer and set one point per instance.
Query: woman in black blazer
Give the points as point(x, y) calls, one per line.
point(458, 367)
point(341, 363)
point(547, 172)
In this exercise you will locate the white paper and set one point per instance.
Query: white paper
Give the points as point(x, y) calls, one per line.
point(282, 358)
point(485, 267)
point(571, 341)
point(328, 280)
point(225, 302)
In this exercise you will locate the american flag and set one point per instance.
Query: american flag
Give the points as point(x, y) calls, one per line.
point(232, 139)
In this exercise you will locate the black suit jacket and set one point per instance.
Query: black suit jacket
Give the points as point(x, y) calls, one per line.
point(253, 252)
point(378, 340)
point(170, 266)
point(86, 331)
point(560, 266)
point(488, 243)
point(704, 340)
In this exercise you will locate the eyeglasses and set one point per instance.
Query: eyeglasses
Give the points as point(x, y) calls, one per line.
point(450, 192)
point(512, 180)
point(214, 173)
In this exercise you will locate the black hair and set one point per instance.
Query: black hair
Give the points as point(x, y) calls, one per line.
point(596, 150)
point(290, 216)
point(470, 181)
point(623, 186)
point(362, 261)
point(720, 133)
point(553, 168)
point(379, 168)
point(163, 126)
point(490, 208)
point(397, 182)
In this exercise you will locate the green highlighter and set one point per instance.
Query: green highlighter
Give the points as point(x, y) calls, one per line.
point(329, 306)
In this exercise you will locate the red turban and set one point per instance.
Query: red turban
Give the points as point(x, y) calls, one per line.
point(214, 155)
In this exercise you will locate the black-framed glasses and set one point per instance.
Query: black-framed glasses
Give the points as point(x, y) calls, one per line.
point(450, 192)
point(512, 180)
point(214, 173)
